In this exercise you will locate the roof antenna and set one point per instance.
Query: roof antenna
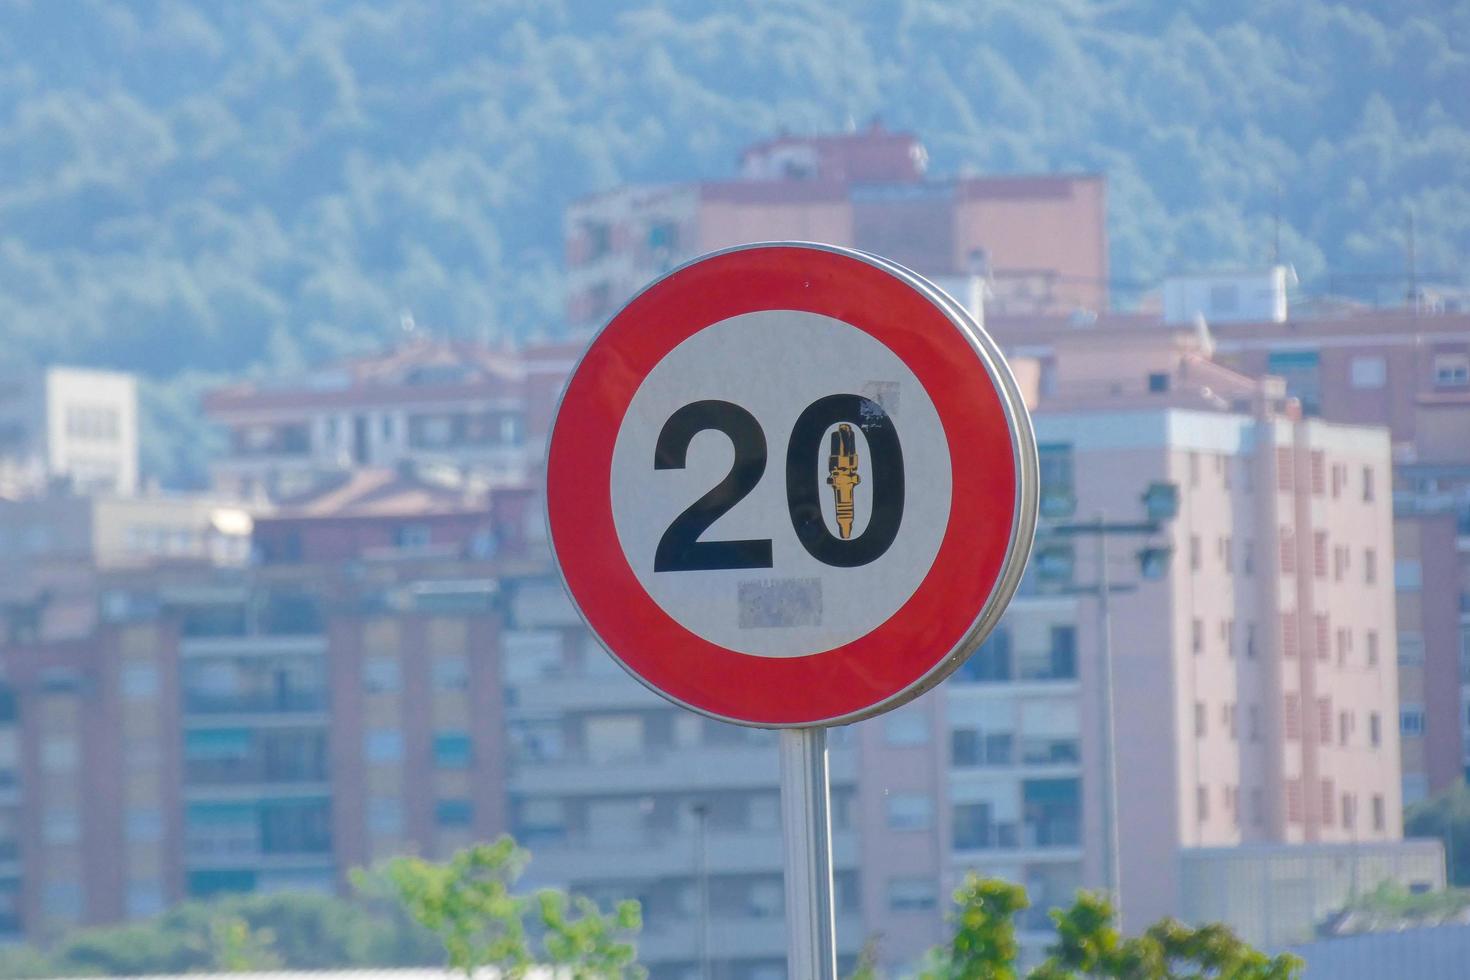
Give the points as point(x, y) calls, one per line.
point(1413, 296)
point(1276, 228)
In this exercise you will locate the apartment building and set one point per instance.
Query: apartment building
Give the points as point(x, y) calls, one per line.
point(75, 425)
point(222, 729)
point(1034, 243)
point(619, 793)
point(458, 406)
point(1403, 369)
point(1254, 671)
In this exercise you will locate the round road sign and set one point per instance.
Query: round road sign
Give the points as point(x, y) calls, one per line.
point(791, 485)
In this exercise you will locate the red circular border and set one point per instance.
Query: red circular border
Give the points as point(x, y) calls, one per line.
point(878, 666)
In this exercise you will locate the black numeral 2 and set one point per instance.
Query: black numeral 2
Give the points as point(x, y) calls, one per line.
point(680, 550)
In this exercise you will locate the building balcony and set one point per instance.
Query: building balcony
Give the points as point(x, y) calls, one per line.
point(198, 856)
point(1049, 840)
point(742, 938)
point(246, 791)
point(672, 854)
point(270, 703)
point(579, 692)
point(690, 770)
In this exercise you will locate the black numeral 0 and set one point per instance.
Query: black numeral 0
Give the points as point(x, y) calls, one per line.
point(680, 550)
point(804, 486)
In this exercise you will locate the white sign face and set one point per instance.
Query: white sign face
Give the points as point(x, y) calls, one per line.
point(736, 439)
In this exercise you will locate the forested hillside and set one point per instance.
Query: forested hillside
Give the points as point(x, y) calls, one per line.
point(191, 189)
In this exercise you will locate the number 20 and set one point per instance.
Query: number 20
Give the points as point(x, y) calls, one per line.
point(680, 550)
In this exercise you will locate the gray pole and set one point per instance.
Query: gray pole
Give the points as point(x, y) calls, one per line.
point(1110, 765)
point(701, 830)
point(806, 825)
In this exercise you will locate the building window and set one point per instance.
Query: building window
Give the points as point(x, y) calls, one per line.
point(58, 754)
point(1329, 798)
point(61, 825)
point(912, 894)
point(1451, 370)
point(971, 748)
point(1379, 813)
point(385, 745)
point(1372, 648)
point(910, 811)
point(452, 750)
point(1408, 575)
point(385, 816)
point(1319, 553)
point(1349, 810)
point(1292, 717)
point(1344, 727)
point(1197, 635)
point(451, 673)
point(1202, 802)
point(1370, 566)
point(1250, 640)
point(1411, 649)
point(1255, 723)
point(380, 674)
point(144, 898)
point(1375, 730)
point(1058, 496)
point(62, 900)
point(1368, 484)
point(144, 825)
point(1258, 806)
point(412, 536)
point(1158, 382)
point(906, 728)
point(1294, 801)
point(1288, 551)
point(139, 682)
point(1194, 553)
point(992, 662)
point(1411, 720)
point(454, 813)
point(1324, 721)
point(1199, 719)
point(1367, 372)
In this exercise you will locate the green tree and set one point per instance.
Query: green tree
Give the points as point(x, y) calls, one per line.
point(1088, 944)
point(296, 931)
point(234, 947)
point(1446, 816)
point(468, 903)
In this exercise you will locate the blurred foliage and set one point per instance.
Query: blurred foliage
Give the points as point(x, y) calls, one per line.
point(1446, 816)
point(1088, 944)
point(213, 187)
point(1391, 908)
point(468, 903)
point(230, 934)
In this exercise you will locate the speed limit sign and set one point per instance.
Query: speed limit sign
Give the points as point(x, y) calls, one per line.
point(791, 485)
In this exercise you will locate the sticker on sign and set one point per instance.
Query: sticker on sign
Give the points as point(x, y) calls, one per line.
point(791, 485)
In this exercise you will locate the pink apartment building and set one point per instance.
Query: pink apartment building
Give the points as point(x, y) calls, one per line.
point(1039, 239)
point(1255, 680)
point(1404, 369)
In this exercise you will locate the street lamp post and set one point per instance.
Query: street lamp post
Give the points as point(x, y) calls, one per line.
point(701, 818)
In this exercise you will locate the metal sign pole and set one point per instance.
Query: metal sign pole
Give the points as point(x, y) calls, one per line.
point(806, 824)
